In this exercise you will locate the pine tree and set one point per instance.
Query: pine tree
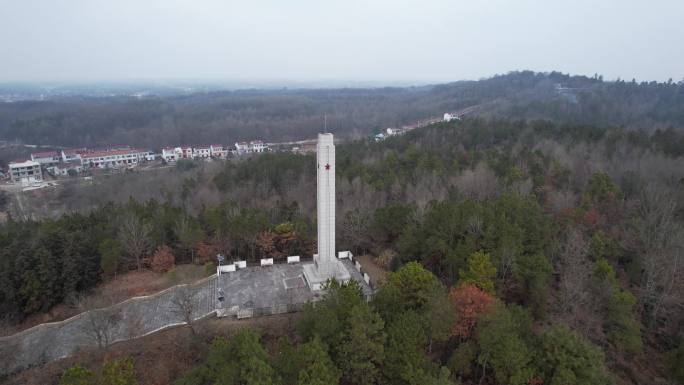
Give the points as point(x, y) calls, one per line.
point(409, 288)
point(502, 348)
point(480, 272)
point(286, 362)
point(110, 254)
point(405, 361)
point(77, 375)
point(317, 367)
point(565, 358)
point(118, 372)
point(362, 351)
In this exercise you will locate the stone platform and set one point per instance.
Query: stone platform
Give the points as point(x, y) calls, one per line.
point(280, 284)
point(317, 276)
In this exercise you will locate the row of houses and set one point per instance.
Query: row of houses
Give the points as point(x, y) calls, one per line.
point(74, 161)
point(172, 154)
point(254, 146)
point(101, 158)
point(404, 129)
point(85, 158)
point(390, 132)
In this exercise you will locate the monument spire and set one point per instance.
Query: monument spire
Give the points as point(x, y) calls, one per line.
point(326, 265)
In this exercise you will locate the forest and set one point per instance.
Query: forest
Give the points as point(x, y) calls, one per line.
point(294, 114)
point(521, 251)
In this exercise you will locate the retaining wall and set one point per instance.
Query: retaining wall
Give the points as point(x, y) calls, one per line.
point(135, 317)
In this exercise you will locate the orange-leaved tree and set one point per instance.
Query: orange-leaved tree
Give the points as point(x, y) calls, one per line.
point(469, 302)
point(163, 259)
point(206, 252)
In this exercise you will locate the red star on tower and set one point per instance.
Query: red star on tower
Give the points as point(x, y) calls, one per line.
point(327, 166)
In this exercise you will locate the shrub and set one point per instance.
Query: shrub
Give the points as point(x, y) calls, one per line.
point(163, 259)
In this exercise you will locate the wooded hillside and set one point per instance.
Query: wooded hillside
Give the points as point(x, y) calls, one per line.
point(559, 245)
point(280, 115)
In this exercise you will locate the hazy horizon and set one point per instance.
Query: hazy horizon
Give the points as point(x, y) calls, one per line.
point(304, 41)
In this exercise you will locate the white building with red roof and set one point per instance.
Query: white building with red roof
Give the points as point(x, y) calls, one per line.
point(114, 158)
point(254, 146)
point(46, 158)
point(202, 152)
point(72, 154)
point(218, 151)
point(169, 154)
point(184, 152)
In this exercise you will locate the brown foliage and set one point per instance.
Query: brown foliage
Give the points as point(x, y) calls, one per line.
point(266, 243)
point(469, 302)
point(276, 244)
point(163, 259)
point(205, 253)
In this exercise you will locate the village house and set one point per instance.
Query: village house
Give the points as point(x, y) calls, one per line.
point(114, 158)
point(449, 117)
point(184, 152)
point(72, 154)
point(218, 151)
point(254, 146)
point(26, 172)
point(66, 168)
point(46, 159)
point(168, 154)
point(201, 152)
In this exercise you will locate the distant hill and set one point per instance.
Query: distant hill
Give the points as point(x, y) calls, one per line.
point(277, 115)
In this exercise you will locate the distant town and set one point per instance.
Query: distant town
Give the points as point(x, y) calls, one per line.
point(33, 172)
point(77, 161)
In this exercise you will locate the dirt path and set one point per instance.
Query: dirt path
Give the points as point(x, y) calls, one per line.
point(377, 274)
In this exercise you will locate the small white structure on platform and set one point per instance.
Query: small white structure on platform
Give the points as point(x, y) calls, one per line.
point(293, 259)
point(345, 255)
point(267, 262)
point(326, 266)
point(241, 264)
point(225, 269)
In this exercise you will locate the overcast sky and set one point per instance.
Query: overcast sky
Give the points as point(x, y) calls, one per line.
point(356, 40)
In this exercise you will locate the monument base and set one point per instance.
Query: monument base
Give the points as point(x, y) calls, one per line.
point(316, 280)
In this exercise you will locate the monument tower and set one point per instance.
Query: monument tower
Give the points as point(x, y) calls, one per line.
point(326, 265)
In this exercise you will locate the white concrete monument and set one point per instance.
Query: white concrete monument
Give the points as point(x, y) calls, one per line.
point(326, 265)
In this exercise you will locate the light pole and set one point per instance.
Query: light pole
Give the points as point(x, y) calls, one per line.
point(219, 292)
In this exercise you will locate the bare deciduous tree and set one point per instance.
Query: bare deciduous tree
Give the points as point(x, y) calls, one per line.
point(134, 236)
point(355, 229)
point(183, 304)
point(559, 201)
point(479, 184)
point(100, 319)
point(575, 302)
point(134, 325)
point(660, 249)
